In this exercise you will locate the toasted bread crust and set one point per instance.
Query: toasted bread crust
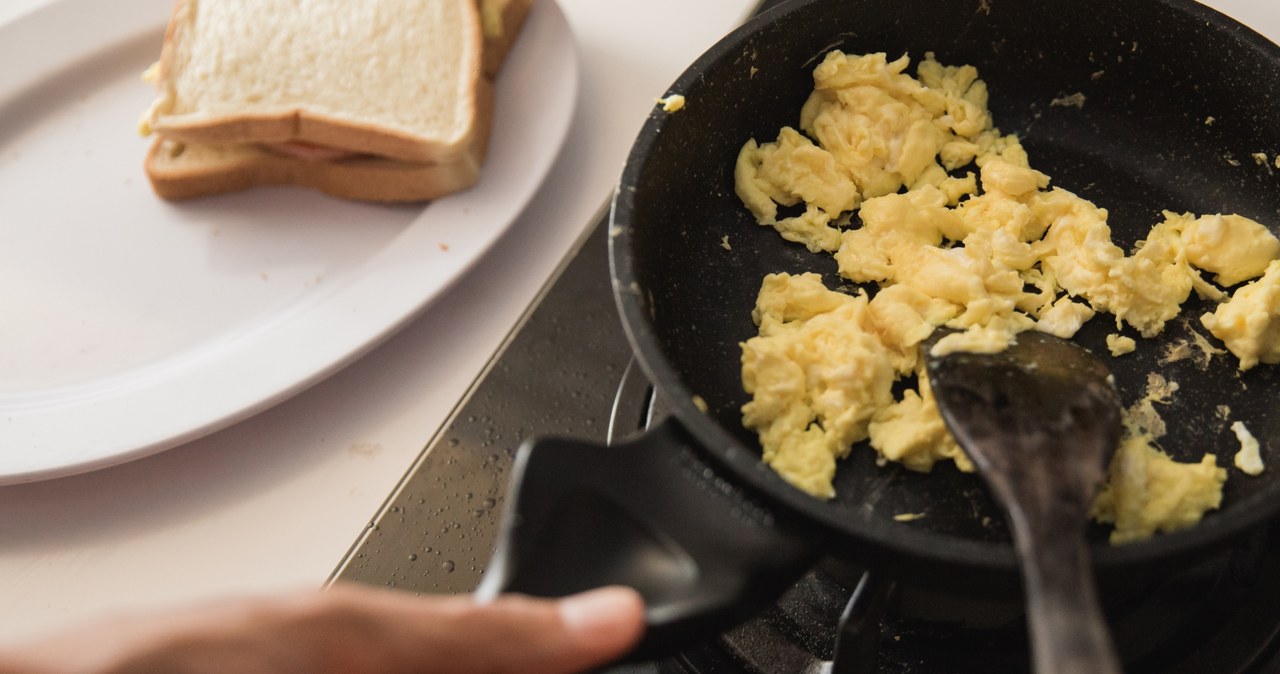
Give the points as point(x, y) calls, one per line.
point(497, 47)
point(299, 125)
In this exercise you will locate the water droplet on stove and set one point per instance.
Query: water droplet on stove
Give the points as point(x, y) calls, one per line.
point(489, 503)
point(413, 557)
point(448, 566)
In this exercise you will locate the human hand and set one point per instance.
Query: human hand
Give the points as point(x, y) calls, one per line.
point(351, 629)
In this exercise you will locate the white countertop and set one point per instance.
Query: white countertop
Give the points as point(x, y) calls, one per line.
point(275, 501)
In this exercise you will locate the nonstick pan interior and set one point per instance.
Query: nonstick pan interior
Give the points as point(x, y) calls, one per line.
point(1176, 99)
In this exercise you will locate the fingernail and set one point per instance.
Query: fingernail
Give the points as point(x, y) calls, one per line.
point(597, 610)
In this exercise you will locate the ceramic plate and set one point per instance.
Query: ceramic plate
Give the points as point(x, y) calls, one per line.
point(129, 325)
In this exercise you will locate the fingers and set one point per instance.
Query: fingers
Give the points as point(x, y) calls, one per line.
point(364, 630)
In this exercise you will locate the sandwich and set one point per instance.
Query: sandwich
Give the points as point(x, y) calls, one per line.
point(379, 100)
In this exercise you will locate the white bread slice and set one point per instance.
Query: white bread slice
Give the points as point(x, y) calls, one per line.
point(393, 78)
point(184, 170)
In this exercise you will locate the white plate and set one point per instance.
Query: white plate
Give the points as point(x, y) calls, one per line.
point(129, 325)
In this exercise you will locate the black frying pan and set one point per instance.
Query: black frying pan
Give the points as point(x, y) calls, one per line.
point(1176, 99)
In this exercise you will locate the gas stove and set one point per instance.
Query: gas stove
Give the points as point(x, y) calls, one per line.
point(567, 370)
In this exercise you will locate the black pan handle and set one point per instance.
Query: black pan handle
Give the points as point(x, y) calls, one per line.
point(651, 514)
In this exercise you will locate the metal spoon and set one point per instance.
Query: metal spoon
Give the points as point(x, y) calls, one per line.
point(1040, 421)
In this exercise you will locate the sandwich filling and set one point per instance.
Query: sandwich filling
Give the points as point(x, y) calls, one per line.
point(309, 151)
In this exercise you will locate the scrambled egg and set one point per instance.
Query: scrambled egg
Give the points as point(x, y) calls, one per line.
point(816, 375)
point(1120, 345)
point(1233, 247)
point(1012, 256)
point(1249, 323)
point(1247, 459)
point(672, 103)
point(1146, 490)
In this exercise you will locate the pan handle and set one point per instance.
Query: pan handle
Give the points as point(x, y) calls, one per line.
point(651, 514)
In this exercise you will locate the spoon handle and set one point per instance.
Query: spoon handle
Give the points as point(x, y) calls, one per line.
point(1069, 634)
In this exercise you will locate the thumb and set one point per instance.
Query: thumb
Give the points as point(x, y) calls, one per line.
point(539, 636)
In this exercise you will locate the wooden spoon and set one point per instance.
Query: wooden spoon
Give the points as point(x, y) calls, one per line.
point(1040, 421)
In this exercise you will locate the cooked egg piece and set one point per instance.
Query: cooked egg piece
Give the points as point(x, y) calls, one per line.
point(1149, 492)
point(1249, 322)
point(1233, 247)
point(1120, 345)
point(1064, 318)
point(911, 432)
point(672, 103)
point(816, 374)
point(1249, 458)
